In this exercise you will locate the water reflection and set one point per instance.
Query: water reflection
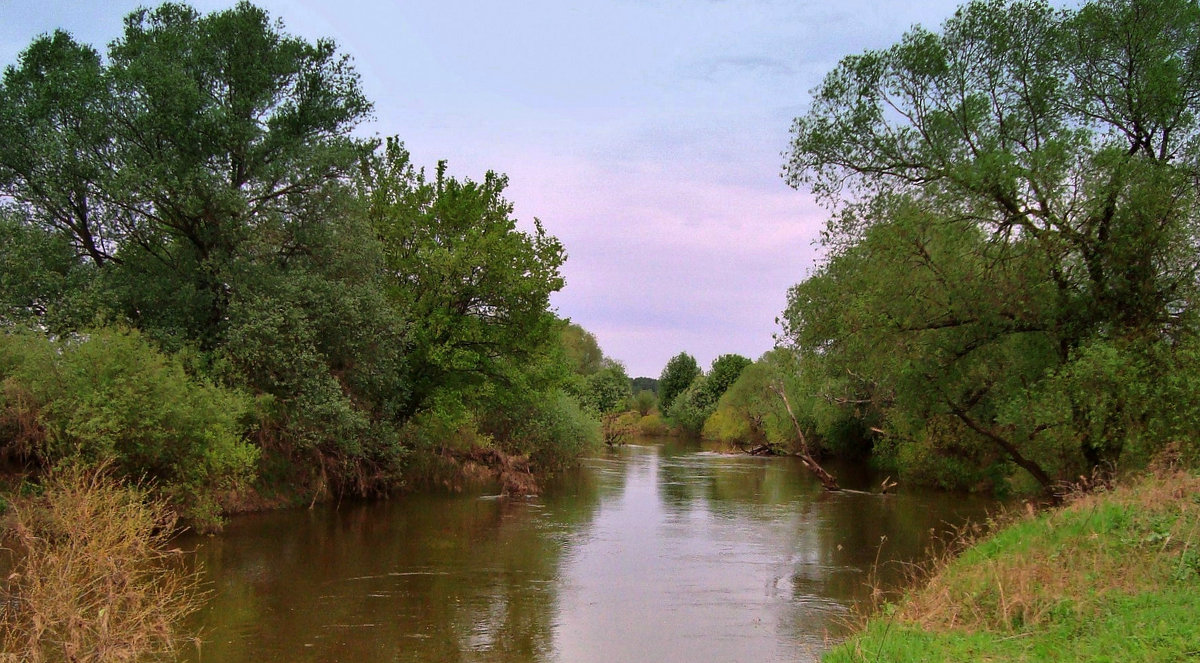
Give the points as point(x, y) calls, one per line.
point(655, 552)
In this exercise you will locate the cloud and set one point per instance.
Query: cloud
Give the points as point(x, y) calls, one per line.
point(742, 65)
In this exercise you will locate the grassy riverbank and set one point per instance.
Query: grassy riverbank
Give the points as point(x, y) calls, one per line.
point(1112, 576)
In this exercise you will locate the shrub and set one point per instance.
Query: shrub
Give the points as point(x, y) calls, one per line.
point(652, 425)
point(692, 407)
point(560, 432)
point(644, 401)
point(110, 397)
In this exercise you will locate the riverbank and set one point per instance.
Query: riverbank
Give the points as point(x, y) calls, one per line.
point(1113, 575)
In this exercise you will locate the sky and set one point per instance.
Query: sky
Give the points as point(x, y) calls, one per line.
point(647, 135)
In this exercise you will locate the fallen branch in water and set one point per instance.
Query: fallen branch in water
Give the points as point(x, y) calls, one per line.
point(813, 466)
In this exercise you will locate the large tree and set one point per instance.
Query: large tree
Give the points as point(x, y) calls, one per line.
point(679, 373)
point(198, 136)
point(479, 286)
point(1007, 193)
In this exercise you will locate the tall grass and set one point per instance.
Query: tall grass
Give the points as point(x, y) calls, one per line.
point(92, 577)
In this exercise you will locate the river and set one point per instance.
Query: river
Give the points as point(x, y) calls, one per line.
point(655, 552)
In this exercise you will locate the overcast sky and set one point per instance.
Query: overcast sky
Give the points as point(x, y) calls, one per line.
point(646, 134)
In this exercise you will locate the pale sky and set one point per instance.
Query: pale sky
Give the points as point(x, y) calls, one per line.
point(647, 135)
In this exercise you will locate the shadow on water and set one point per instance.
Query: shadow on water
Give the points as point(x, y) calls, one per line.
point(662, 551)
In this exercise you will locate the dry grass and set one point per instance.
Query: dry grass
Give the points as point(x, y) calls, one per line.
point(92, 577)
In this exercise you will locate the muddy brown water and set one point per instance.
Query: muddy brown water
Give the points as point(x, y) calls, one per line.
point(662, 551)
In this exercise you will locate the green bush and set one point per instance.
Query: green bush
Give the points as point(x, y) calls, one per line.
point(560, 432)
point(692, 407)
point(110, 397)
point(652, 425)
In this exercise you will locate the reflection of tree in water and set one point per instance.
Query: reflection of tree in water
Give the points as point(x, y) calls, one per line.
point(459, 578)
point(422, 578)
point(834, 539)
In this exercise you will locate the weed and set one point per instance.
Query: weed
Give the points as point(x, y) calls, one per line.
point(92, 578)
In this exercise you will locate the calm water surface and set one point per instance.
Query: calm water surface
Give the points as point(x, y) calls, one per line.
point(661, 552)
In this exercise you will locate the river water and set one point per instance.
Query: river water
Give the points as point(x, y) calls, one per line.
point(655, 552)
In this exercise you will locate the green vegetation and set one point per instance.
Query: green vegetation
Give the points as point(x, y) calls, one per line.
point(1113, 576)
point(676, 376)
point(1009, 303)
point(1009, 298)
point(113, 398)
point(210, 281)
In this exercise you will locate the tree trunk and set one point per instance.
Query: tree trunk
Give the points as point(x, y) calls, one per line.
point(813, 466)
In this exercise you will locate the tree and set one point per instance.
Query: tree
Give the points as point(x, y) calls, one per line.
point(645, 384)
point(677, 375)
point(723, 373)
point(199, 136)
point(1005, 192)
point(583, 350)
point(608, 389)
point(479, 286)
point(689, 410)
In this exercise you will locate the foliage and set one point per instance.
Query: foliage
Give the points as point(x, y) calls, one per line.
point(479, 287)
point(608, 389)
point(751, 413)
point(560, 432)
point(584, 356)
point(93, 579)
point(1013, 202)
point(652, 425)
point(676, 376)
point(646, 384)
point(643, 402)
point(201, 182)
point(250, 128)
point(723, 373)
point(111, 399)
point(692, 407)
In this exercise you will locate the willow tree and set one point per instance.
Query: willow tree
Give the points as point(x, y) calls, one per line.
point(1007, 195)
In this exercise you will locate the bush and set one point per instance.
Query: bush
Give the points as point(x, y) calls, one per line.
point(692, 407)
point(93, 578)
point(110, 398)
point(560, 432)
point(652, 425)
point(644, 401)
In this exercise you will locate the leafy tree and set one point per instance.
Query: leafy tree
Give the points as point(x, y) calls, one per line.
point(479, 287)
point(1006, 193)
point(692, 407)
point(202, 183)
point(582, 349)
point(677, 376)
point(608, 389)
point(200, 134)
point(723, 373)
point(645, 384)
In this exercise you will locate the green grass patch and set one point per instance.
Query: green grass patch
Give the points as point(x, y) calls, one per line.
point(1110, 577)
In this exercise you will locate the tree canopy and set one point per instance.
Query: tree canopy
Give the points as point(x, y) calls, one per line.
point(1012, 198)
point(676, 376)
